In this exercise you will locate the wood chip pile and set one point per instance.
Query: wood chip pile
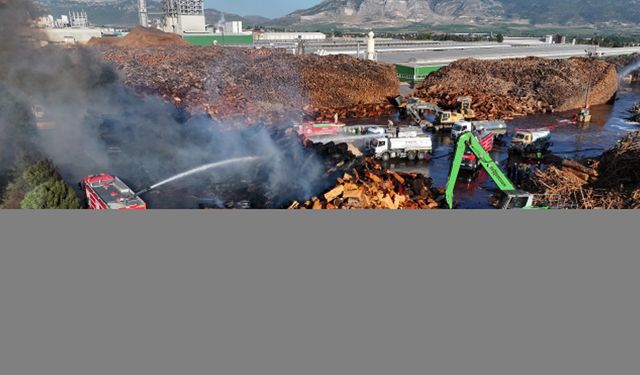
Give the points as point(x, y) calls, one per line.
point(515, 87)
point(623, 61)
point(246, 86)
point(611, 181)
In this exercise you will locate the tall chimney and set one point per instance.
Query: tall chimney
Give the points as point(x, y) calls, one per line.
point(142, 13)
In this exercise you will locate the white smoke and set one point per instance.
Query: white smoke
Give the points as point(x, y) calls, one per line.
point(92, 109)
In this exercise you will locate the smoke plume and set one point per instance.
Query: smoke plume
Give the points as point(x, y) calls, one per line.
point(103, 126)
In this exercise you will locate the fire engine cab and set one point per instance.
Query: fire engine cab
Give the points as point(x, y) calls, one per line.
point(106, 192)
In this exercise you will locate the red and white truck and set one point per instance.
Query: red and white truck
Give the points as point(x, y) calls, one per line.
point(107, 192)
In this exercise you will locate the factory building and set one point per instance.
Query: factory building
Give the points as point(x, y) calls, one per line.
point(68, 29)
point(412, 73)
point(186, 18)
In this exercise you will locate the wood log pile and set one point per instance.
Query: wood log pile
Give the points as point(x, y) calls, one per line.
point(516, 87)
point(355, 112)
point(246, 86)
point(365, 184)
point(611, 181)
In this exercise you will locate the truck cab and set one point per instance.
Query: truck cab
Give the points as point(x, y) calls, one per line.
point(531, 140)
point(460, 127)
point(515, 199)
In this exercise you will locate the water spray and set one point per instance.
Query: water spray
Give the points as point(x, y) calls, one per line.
point(199, 169)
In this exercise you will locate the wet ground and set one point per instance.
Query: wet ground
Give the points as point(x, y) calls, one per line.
point(607, 126)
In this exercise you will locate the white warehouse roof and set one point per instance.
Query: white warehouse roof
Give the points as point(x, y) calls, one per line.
point(292, 36)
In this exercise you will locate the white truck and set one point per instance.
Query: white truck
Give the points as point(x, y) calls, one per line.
point(529, 141)
point(499, 127)
point(402, 147)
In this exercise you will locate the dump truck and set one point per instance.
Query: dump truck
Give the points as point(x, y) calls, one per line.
point(106, 192)
point(469, 162)
point(498, 127)
point(531, 141)
point(401, 147)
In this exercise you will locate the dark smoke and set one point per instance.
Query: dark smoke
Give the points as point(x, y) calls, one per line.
point(95, 113)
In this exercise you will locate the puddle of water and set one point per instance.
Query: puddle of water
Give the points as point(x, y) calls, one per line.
point(608, 125)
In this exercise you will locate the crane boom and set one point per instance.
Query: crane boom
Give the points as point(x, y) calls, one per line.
point(465, 140)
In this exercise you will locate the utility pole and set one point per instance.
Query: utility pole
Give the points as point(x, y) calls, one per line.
point(142, 13)
point(585, 115)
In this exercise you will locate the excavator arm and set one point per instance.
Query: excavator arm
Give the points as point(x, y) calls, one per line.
point(465, 140)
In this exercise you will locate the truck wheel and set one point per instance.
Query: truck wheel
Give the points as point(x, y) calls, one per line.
point(386, 156)
point(421, 155)
point(411, 155)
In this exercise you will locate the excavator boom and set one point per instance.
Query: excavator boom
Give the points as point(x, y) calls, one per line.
point(465, 140)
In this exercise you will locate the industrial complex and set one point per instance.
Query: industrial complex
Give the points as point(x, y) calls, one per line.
point(414, 60)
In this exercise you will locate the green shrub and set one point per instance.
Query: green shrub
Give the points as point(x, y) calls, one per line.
point(40, 173)
point(51, 194)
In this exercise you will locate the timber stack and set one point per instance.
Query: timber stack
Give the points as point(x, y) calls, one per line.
point(365, 184)
point(610, 181)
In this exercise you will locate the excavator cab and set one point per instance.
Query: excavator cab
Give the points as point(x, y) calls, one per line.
point(465, 108)
point(516, 199)
point(585, 116)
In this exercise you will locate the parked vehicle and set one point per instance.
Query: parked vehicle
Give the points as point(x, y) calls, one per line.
point(499, 127)
point(531, 141)
point(402, 147)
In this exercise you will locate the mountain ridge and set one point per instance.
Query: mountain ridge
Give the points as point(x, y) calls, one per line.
point(406, 12)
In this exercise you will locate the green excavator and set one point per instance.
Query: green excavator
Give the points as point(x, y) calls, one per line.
point(511, 197)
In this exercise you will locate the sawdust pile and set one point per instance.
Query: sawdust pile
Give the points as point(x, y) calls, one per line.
point(517, 87)
point(141, 37)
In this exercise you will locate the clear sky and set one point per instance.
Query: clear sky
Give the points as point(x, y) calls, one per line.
point(265, 8)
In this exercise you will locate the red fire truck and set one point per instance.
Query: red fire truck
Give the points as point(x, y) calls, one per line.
point(309, 129)
point(106, 192)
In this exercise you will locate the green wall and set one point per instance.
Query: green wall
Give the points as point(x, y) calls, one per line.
point(207, 40)
point(415, 74)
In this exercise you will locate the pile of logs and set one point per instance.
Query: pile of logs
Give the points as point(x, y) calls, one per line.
point(366, 185)
point(611, 181)
point(355, 112)
point(515, 87)
point(247, 86)
point(487, 106)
